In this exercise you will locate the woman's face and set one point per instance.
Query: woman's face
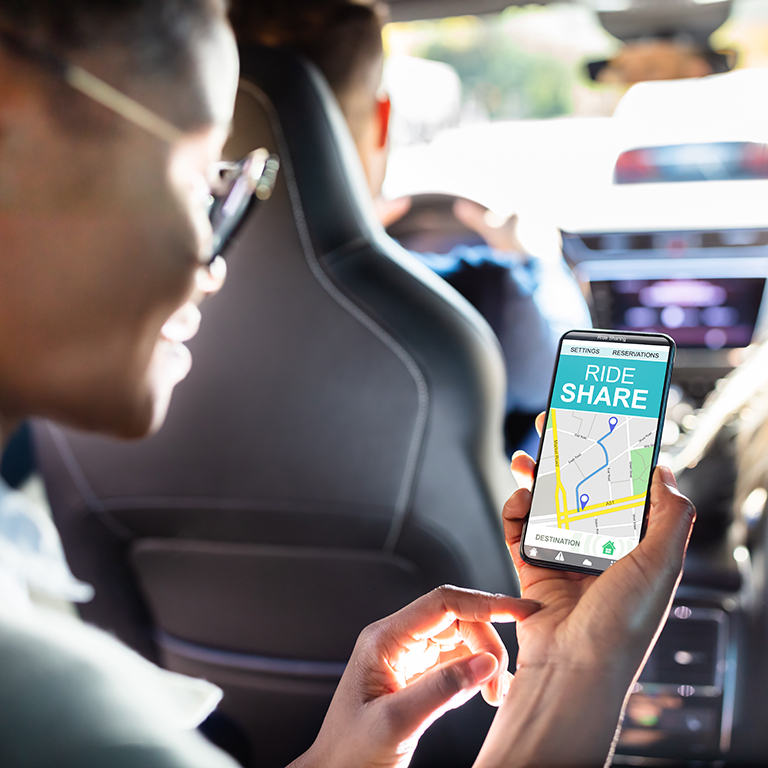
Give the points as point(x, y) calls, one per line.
point(101, 242)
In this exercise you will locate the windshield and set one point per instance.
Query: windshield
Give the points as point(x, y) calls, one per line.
point(502, 109)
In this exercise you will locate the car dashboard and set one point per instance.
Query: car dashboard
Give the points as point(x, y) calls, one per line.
point(706, 288)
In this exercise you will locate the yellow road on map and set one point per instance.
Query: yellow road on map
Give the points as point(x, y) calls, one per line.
point(562, 510)
point(616, 505)
point(565, 515)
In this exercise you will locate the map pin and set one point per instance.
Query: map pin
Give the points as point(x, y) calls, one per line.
point(612, 422)
point(583, 499)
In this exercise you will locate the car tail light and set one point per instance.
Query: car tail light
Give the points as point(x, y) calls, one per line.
point(635, 166)
point(754, 160)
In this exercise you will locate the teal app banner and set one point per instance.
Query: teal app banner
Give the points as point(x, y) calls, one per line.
point(609, 385)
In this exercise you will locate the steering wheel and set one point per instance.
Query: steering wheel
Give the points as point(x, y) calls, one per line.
point(430, 226)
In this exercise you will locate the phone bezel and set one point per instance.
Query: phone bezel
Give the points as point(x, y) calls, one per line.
point(634, 337)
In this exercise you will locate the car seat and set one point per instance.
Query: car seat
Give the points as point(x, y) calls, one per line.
point(335, 452)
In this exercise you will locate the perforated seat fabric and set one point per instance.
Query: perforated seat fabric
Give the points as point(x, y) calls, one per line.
point(335, 452)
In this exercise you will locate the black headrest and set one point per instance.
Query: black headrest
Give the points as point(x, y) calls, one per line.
point(324, 156)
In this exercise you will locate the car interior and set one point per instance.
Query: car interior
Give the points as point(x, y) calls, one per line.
point(340, 447)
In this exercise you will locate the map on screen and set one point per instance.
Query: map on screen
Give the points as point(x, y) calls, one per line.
point(597, 453)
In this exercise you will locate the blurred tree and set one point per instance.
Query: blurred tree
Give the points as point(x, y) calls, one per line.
point(499, 78)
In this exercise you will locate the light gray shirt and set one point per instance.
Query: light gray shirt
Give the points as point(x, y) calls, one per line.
point(71, 695)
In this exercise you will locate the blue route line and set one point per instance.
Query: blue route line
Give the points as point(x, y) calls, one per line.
point(579, 505)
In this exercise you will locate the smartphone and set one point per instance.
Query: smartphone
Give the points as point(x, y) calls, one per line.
point(599, 448)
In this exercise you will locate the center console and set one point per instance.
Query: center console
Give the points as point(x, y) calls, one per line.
point(706, 289)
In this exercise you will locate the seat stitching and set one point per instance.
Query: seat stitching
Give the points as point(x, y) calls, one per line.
point(419, 431)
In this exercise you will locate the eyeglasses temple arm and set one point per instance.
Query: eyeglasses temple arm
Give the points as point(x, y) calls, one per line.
point(116, 101)
point(95, 88)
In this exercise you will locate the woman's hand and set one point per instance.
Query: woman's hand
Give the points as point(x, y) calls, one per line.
point(408, 669)
point(581, 652)
point(585, 616)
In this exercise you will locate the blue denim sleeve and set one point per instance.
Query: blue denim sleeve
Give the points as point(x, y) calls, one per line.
point(542, 301)
point(523, 269)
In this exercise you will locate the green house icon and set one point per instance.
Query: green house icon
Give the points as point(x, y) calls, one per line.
point(609, 548)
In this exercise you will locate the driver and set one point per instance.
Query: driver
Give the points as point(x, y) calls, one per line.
point(112, 115)
point(536, 300)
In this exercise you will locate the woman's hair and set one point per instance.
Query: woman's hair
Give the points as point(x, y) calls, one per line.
point(342, 38)
point(155, 34)
point(154, 41)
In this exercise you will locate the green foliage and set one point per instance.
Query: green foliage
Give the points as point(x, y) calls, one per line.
point(501, 78)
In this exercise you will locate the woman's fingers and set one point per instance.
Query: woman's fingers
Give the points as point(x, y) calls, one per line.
point(669, 525)
point(431, 621)
point(462, 638)
point(444, 687)
point(522, 468)
point(483, 638)
point(513, 515)
point(436, 611)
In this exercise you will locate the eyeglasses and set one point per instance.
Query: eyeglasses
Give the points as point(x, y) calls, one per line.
point(238, 186)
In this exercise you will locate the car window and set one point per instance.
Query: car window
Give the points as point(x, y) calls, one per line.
point(654, 192)
point(499, 88)
point(501, 108)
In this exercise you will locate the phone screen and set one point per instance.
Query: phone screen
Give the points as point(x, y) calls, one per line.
point(598, 450)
